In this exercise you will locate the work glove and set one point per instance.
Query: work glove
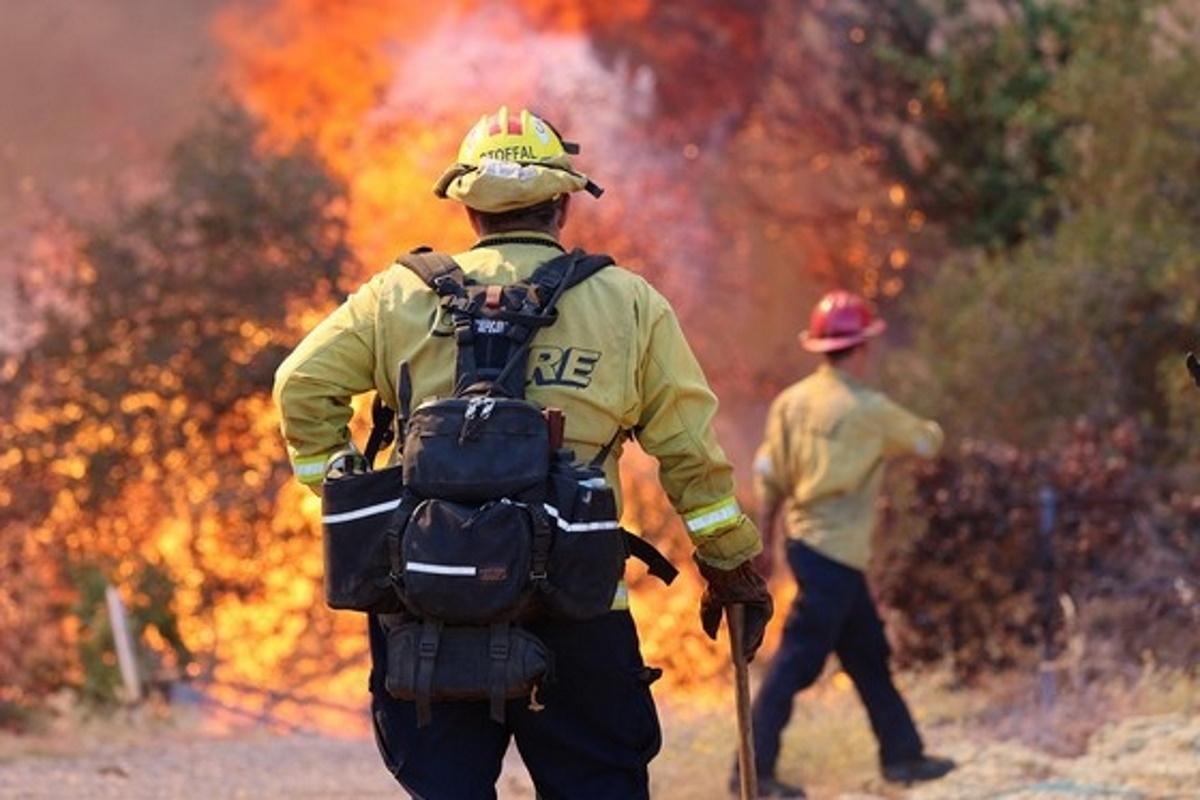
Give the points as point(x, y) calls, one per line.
point(727, 587)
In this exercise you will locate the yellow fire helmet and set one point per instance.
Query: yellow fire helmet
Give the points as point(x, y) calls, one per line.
point(512, 161)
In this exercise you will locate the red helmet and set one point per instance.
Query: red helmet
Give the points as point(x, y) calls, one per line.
point(841, 320)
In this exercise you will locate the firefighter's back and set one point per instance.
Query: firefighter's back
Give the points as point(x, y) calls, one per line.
point(587, 364)
point(828, 439)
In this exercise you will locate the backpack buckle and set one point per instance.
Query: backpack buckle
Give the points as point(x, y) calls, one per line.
point(446, 286)
point(427, 647)
point(493, 295)
point(498, 648)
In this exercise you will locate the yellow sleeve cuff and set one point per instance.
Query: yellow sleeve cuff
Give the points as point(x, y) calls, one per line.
point(713, 518)
point(723, 535)
point(310, 470)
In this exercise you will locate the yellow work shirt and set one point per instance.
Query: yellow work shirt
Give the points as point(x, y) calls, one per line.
point(616, 362)
point(826, 441)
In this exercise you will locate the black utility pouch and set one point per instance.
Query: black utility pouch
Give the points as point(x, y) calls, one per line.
point(427, 662)
point(587, 560)
point(472, 449)
point(468, 565)
point(356, 511)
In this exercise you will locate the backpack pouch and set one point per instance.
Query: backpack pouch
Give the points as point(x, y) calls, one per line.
point(475, 449)
point(587, 560)
point(467, 565)
point(355, 514)
point(464, 663)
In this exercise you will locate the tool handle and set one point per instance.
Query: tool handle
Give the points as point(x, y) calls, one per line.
point(556, 423)
point(736, 617)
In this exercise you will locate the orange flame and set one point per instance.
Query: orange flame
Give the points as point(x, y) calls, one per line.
point(384, 90)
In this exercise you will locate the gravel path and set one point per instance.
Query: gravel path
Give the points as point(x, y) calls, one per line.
point(259, 767)
point(1140, 758)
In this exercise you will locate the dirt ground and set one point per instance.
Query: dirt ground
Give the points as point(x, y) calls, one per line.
point(1149, 750)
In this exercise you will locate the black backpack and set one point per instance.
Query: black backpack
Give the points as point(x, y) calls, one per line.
point(486, 521)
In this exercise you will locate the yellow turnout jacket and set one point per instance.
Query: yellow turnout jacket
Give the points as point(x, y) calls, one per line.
point(615, 361)
point(826, 441)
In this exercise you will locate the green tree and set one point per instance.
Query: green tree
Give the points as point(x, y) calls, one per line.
point(967, 125)
point(1068, 345)
point(1093, 317)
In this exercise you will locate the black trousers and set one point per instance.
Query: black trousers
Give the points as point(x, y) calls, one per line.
point(592, 741)
point(834, 613)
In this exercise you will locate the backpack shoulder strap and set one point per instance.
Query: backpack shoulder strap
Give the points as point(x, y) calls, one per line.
point(573, 268)
point(438, 271)
point(587, 266)
point(549, 282)
point(659, 565)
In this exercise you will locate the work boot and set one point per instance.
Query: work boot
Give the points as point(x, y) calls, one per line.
point(914, 770)
point(767, 787)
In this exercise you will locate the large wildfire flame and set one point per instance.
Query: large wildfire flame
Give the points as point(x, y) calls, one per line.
point(384, 90)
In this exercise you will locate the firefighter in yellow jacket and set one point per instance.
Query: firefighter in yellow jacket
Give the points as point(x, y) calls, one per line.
point(821, 462)
point(617, 364)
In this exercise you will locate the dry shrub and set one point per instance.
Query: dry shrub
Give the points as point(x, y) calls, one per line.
point(138, 441)
point(996, 578)
point(32, 607)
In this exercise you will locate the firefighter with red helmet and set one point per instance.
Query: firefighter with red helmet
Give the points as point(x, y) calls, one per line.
point(821, 463)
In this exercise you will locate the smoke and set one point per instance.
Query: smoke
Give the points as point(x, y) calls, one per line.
point(86, 89)
point(90, 94)
point(472, 62)
point(479, 57)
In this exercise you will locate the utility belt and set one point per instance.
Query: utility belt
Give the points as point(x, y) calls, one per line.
point(486, 522)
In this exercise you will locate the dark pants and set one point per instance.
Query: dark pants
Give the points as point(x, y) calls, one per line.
point(594, 738)
point(834, 613)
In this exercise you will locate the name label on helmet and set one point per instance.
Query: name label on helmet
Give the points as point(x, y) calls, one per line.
point(513, 152)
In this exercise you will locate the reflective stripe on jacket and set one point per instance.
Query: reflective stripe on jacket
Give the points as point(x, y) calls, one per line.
point(616, 360)
point(826, 441)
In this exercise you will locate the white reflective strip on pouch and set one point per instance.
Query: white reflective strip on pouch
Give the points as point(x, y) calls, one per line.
point(726, 513)
point(439, 569)
point(359, 513)
point(580, 527)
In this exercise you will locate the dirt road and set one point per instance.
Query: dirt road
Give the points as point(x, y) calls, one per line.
point(828, 748)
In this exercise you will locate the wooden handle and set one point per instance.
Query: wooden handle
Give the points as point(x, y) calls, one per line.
point(736, 617)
